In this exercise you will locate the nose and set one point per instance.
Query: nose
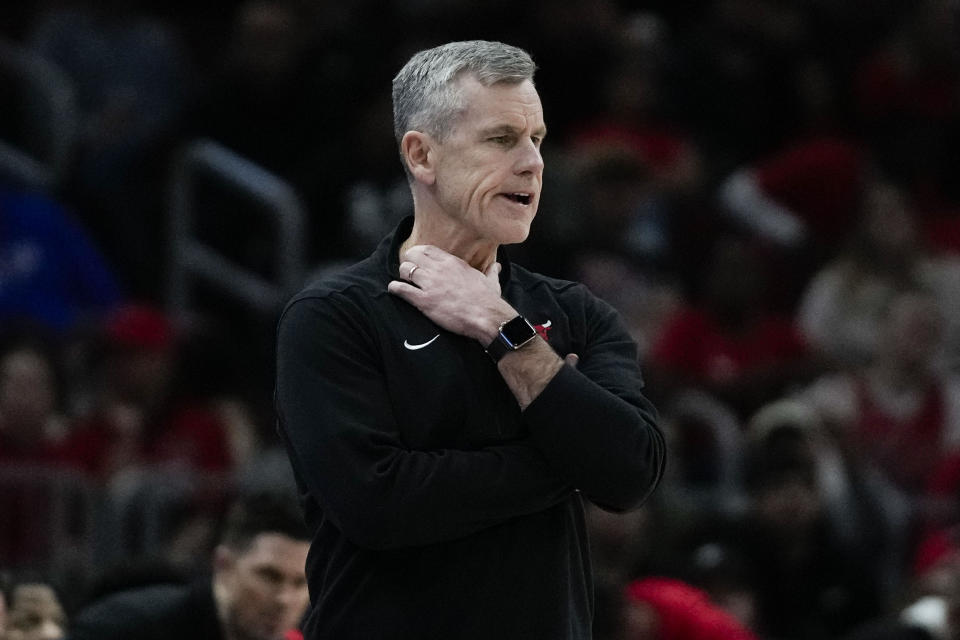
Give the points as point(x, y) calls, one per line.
point(291, 595)
point(530, 160)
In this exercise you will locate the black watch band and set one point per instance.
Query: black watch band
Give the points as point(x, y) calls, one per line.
point(512, 335)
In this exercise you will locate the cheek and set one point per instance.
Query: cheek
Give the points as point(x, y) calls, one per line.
point(249, 596)
point(304, 599)
point(474, 179)
point(296, 607)
point(485, 190)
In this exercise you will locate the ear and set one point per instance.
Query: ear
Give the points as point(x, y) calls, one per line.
point(418, 152)
point(223, 559)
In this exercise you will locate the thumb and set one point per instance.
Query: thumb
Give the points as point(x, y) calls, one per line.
point(492, 275)
point(493, 271)
point(571, 359)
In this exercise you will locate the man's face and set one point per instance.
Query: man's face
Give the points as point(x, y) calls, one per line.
point(262, 590)
point(489, 170)
point(35, 614)
point(27, 395)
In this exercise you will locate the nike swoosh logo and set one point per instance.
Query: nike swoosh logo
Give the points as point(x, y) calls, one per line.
point(414, 347)
point(546, 325)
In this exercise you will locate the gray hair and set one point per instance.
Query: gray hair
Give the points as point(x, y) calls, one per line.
point(425, 95)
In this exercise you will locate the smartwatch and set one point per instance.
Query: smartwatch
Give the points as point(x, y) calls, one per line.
point(512, 335)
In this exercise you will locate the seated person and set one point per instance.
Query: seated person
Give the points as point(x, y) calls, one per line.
point(258, 590)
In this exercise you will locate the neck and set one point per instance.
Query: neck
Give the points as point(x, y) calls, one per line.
point(453, 239)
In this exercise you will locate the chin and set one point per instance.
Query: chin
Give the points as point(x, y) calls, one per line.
point(515, 231)
point(514, 236)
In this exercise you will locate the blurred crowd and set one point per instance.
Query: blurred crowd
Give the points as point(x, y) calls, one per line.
point(765, 189)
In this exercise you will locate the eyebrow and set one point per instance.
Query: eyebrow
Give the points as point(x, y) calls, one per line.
point(502, 129)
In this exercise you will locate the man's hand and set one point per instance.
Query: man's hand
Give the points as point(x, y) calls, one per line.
point(462, 300)
point(453, 294)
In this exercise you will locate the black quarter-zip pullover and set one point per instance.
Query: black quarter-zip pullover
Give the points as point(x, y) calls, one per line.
point(438, 508)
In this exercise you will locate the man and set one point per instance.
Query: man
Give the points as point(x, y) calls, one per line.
point(35, 613)
point(258, 590)
point(440, 442)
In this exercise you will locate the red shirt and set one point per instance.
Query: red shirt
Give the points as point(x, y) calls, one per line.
point(908, 449)
point(194, 437)
point(694, 345)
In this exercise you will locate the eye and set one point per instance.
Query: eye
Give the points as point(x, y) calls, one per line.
point(501, 139)
point(270, 575)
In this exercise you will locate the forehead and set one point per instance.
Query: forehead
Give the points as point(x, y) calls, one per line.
point(503, 103)
point(23, 361)
point(276, 549)
point(36, 599)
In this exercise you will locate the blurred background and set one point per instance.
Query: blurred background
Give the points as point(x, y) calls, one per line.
point(766, 189)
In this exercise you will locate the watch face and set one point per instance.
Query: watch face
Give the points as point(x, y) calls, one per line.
point(518, 332)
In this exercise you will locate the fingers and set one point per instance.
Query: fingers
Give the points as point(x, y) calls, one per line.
point(420, 258)
point(417, 252)
point(408, 292)
point(571, 359)
point(492, 275)
point(493, 271)
point(407, 270)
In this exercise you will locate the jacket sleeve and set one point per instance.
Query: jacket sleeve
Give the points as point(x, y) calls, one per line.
point(593, 422)
point(344, 443)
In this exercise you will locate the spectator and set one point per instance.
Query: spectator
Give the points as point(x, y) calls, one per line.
point(32, 429)
point(635, 105)
point(32, 435)
point(840, 311)
point(807, 584)
point(727, 342)
point(258, 589)
point(622, 210)
point(899, 414)
point(852, 500)
point(645, 302)
point(50, 271)
point(137, 419)
point(803, 195)
point(35, 613)
point(159, 445)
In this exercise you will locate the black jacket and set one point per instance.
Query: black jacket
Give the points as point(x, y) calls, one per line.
point(438, 508)
point(161, 612)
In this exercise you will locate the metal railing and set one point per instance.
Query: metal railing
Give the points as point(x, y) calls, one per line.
point(48, 516)
point(58, 520)
point(51, 125)
point(192, 259)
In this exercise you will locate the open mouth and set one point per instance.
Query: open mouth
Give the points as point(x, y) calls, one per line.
point(521, 198)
